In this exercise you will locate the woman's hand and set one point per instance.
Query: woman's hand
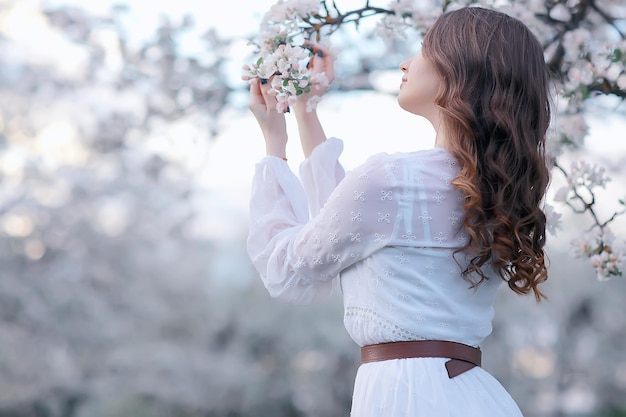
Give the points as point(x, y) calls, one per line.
point(320, 66)
point(272, 122)
point(263, 106)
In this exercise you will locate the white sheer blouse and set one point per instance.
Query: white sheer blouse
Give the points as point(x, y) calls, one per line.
point(384, 233)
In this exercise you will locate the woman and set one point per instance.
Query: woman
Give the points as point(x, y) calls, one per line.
point(418, 242)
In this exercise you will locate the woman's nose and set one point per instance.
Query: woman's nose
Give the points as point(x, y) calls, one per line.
point(404, 66)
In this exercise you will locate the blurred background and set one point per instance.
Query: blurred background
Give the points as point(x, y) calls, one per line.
point(126, 155)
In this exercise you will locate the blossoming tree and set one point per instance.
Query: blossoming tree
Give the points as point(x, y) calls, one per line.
point(585, 49)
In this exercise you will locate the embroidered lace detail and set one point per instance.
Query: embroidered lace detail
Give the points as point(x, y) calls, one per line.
point(370, 316)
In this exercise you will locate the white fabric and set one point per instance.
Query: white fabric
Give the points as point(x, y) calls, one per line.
point(386, 234)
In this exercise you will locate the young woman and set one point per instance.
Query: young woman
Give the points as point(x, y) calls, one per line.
point(418, 242)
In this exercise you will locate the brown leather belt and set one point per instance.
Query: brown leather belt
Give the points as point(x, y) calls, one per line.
point(463, 357)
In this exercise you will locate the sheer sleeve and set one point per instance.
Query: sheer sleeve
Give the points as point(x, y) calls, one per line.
point(321, 172)
point(299, 260)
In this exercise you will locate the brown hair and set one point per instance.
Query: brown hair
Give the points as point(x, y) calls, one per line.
point(495, 102)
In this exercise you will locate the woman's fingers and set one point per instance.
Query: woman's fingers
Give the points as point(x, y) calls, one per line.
point(261, 99)
point(321, 61)
point(265, 86)
point(256, 102)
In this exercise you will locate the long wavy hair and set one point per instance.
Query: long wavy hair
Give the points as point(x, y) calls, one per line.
point(495, 102)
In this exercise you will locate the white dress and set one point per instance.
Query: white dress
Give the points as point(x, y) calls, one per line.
point(384, 234)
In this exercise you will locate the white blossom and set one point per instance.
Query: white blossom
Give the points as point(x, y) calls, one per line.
point(312, 102)
point(586, 174)
point(553, 219)
point(580, 247)
point(614, 72)
point(560, 12)
point(571, 129)
point(562, 193)
point(606, 264)
point(621, 81)
point(575, 43)
point(289, 13)
point(579, 75)
point(597, 245)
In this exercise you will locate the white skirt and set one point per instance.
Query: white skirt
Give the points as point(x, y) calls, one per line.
point(420, 387)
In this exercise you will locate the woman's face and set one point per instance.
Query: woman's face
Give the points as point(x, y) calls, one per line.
point(419, 88)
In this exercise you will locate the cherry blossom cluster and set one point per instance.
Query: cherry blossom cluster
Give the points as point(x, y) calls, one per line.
point(283, 57)
point(403, 17)
point(581, 175)
point(596, 245)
